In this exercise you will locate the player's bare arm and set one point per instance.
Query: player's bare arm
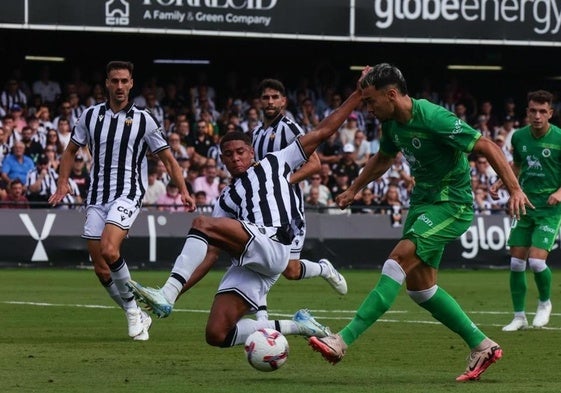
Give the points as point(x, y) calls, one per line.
point(66, 163)
point(375, 167)
point(518, 199)
point(176, 174)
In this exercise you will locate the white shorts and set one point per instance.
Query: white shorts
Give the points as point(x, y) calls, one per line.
point(298, 242)
point(258, 268)
point(122, 212)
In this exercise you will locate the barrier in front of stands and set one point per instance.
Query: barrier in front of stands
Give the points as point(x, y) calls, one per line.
point(51, 237)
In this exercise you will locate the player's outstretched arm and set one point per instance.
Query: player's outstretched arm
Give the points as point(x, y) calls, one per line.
point(64, 169)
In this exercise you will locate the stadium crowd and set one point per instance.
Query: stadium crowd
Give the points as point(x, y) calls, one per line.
point(37, 116)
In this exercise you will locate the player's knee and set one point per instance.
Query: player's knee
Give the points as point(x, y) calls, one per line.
point(517, 264)
point(537, 265)
point(201, 223)
point(293, 270)
point(217, 337)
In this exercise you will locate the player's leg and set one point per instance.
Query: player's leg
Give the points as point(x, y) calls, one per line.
point(518, 288)
point(240, 291)
point(103, 273)
point(542, 278)
point(301, 269)
point(225, 233)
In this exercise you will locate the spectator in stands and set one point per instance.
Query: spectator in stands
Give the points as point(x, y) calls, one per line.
point(177, 149)
point(38, 133)
point(16, 165)
point(54, 158)
point(19, 118)
point(33, 149)
point(45, 119)
point(81, 175)
point(14, 197)
point(509, 110)
point(48, 89)
point(362, 148)
point(324, 193)
point(4, 148)
point(347, 162)
point(366, 204)
point(201, 202)
point(481, 201)
point(64, 131)
point(306, 116)
point(348, 129)
point(12, 95)
point(171, 200)
point(54, 141)
point(392, 205)
point(156, 188)
point(342, 183)
point(65, 112)
point(154, 107)
point(252, 119)
point(202, 143)
point(487, 116)
point(313, 202)
point(331, 150)
point(483, 175)
point(208, 183)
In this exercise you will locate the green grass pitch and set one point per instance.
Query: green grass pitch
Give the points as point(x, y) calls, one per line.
point(60, 332)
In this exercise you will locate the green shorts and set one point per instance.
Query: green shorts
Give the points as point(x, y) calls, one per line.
point(538, 228)
point(431, 227)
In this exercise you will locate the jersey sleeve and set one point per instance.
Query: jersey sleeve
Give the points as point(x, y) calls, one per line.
point(154, 135)
point(80, 132)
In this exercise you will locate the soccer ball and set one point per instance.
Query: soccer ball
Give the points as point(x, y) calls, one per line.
point(266, 349)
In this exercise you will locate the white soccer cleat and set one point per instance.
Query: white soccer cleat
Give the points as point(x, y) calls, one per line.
point(333, 277)
point(308, 326)
point(152, 297)
point(518, 323)
point(479, 361)
point(542, 314)
point(332, 347)
point(146, 323)
point(134, 320)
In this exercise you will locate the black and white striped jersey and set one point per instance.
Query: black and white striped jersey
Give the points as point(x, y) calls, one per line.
point(277, 136)
point(263, 195)
point(7, 99)
point(49, 185)
point(118, 143)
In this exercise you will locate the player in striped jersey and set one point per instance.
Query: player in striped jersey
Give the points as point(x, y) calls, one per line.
point(118, 135)
point(251, 221)
point(277, 132)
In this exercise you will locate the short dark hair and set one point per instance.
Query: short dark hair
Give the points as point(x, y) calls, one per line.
point(119, 65)
point(235, 136)
point(385, 74)
point(273, 84)
point(541, 97)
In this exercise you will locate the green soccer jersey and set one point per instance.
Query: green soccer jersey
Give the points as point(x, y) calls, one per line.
point(434, 142)
point(539, 160)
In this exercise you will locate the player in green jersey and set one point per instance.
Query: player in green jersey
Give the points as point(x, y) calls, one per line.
point(537, 162)
point(434, 142)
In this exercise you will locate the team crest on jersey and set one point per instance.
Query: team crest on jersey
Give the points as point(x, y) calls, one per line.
point(128, 121)
point(546, 153)
point(416, 142)
point(533, 162)
point(272, 136)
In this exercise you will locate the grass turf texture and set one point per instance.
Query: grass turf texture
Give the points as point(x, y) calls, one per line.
point(60, 332)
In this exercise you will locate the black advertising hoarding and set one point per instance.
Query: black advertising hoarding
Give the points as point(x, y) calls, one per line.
point(310, 17)
point(493, 21)
point(52, 237)
point(12, 11)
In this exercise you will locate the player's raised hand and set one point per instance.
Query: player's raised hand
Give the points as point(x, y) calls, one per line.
point(363, 74)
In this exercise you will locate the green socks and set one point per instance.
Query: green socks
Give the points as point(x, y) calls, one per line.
point(445, 309)
point(543, 282)
point(518, 290)
point(378, 301)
